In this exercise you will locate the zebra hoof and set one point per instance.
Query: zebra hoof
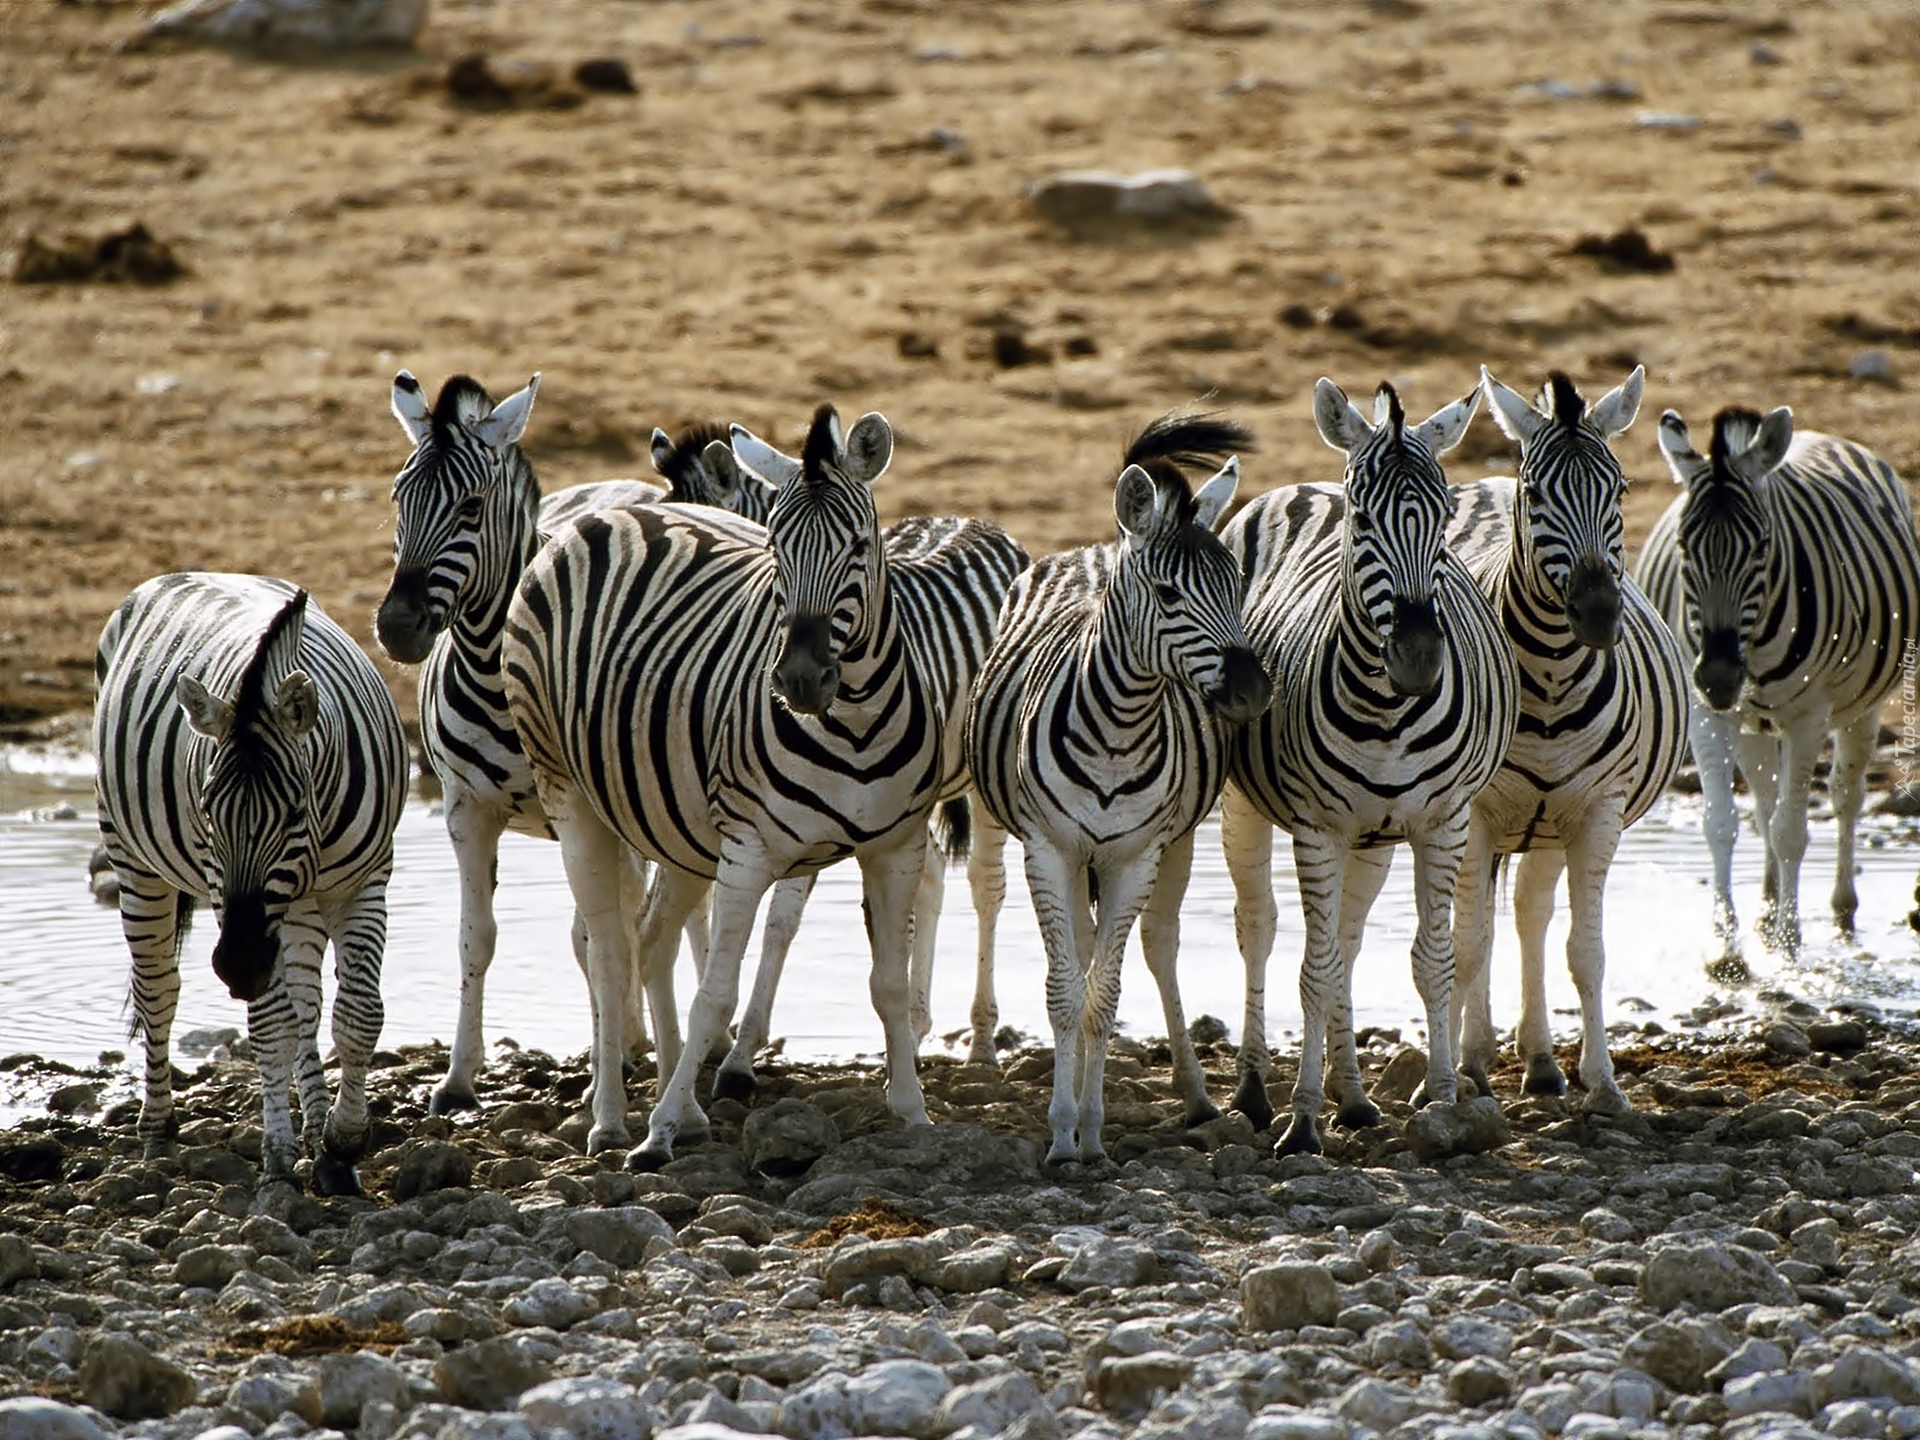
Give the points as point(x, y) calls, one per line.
point(1361, 1114)
point(733, 1084)
point(333, 1176)
point(1203, 1112)
point(1476, 1074)
point(1731, 968)
point(1543, 1077)
point(448, 1101)
point(1607, 1099)
point(645, 1159)
point(1251, 1101)
point(1302, 1137)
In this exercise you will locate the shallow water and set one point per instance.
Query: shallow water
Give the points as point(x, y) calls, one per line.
point(64, 967)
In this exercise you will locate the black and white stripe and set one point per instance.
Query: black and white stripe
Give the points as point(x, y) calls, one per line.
point(1789, 570)
point(1098, 734)
point(1602, 725)
point(1395, 701)
point(740, 704)
point(249, 754)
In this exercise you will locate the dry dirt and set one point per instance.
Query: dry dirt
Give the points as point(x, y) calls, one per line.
point(823, 200)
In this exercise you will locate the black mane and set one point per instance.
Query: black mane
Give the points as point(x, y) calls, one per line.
point(820, 450)
point(682, 462)
point(1174, 442)
point(250, 698)
point(1568, 405)
point(1733, 430)
point(461, 399)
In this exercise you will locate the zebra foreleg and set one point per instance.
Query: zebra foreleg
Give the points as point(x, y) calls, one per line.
point(359, 1014)
point(1474, 1047)
point(1160, 939)
point(1436, 865)
point(1059, 890)
point(1589, 855)
point(1712, 737)
point(929, 898)
point(891, 877)
point(475, 831)
point(150, 916)
point(987, 878)
point(1852, 751)
point(272, 1032)
point(1362, 876)
point(1787, 827)
point(1246, 840)
point(1533, 885)
point(1318, 861)
point(735, 1080)
point(1123, 892)
point(303, 948)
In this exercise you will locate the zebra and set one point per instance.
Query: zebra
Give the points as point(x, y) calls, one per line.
point(1396, 699)
point(740, 704)
point(470, 516)
point(1097, 734)
point(248, 753)
point(1602, 724)
point(1790, 572)
point(959, 625)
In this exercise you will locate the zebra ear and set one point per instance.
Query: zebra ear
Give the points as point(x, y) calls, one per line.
point(1677, 446)
point(1769, 445)
point(410, 407)
point(724, 474)
point(1614, 411)
point(207, 713)
point(869, 447)
point(1136, 502)
point(508, 422)
point(1511, 410)
point(296, 704)
point(660, 446)
point(1211, 500)
point(1337, 418)
point(760, 459)
point(1443, 429)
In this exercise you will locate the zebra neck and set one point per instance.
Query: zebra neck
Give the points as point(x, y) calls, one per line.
point(873, 667)
point(1530, 609)
point(481, 621)
point(1116, 697)
point(1359, 671)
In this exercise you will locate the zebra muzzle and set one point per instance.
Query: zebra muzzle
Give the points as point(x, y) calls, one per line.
point(1721, 669)
point(1593, 604)
point(1244, 691)
point(1414, 647)
point(247, 950)
point(806, 676)
point(404, 624)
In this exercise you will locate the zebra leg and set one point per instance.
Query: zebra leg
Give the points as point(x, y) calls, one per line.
point(1589, 855)
point(735, 1080)
point(987, 878)
point(1436, 865)
point(1799, 750)
point(1539, 872)
point(359, 930)
point(929, 899)
point(1160, 939)
point(303, 949)
point(1472, 1038)
point(1123, 892)
point(150, 917)
point(1059, 890)
point(1761, 759)
point(1363, 875)
point(634, 888)
point(891, 877)
point(744, 878)
point(673, 897)
point(1246, 839)
point(273, 1029)
point(1712, 735)
point(475, 831)
point(1852, 750)
point(1318, 860)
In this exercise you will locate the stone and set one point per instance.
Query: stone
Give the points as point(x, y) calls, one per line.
point(1288, 1422)
point(211, 1266)
point(787, 1137)
point(31, 1160)
point(1112, 1261)
point(331, 23)
point(350, 1382)
point(17, 1261)
point(1751, 1358)
point(1404, 1073)
point(896, 1397)
point(818, 1410)
point(589, 1407)
point(1465, 1337)
point(1863, 1373)
point(978, 1267)
point(123, 1378)
point(859, 1261)
point(1376, 1404)
point(1287, 1296)
point(1788, 1390)
point(31, 1418)
point(552, 1302)
point(1466, 1127)
point(991, 1405)
point(1679, 1354)
point(618, 1236)
point(1128, 1386)
point(429, 1165)
point(489, 1375)
point(1711, 1276)
point(1478, 1381)
point(1873, 364)
point(1091, 204)
point(263, 1399)
point(1399, 1343)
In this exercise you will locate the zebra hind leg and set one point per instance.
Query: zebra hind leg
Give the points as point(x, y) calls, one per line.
point(987, 878)
point(1589, 855)
point(154, 917)
point(1533, 885)
point(1318, 860)
point(475, 832)
point(1363, 875)
point(735, 1078)
point(1246, 840)
point(1160, 940)
point(1852, 750)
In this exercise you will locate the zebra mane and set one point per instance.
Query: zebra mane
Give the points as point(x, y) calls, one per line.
point(682, 462)
point(1734, 429)
point(1562, 400)
point(1172, 443)
point(250, 698)
point(462, 400)
point(820, 451)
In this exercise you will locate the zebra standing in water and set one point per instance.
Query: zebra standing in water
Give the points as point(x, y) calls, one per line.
point(1602, 727)
point(740, 705)
point(250, 754)
point(1396, 701)
point(470, 516)
point(1097, 734)
point(1790, 569)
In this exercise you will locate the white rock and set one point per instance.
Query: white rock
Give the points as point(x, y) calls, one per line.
point(348, 1383)
point(991, 1405)
point(338, 23)
point(1285, 1422)
point(31, 1418)
point(590, 1408)
point(551, 1302)
point(1460, 1337)
point(896, 1397)
point(1788, 1390)
point(1376, 1404)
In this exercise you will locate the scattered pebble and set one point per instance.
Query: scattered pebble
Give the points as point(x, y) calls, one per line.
point(1092, 204)
point(1627, 249)
point(133, 255)
point(1874, 365)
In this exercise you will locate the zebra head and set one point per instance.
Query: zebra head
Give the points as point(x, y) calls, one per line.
point(1567, 525)
point(1395, 527)
point(465, 496)
point(256, 797)
point(1726, 534)
point(699, 469)
point(829, 567)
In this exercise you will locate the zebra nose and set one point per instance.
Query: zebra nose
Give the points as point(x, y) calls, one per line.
point(1721, 669)
point(806, 675)
point(246, 952)
point(1414, 647)
point(1244, 691)
point(404, 623)
point(1593, 604)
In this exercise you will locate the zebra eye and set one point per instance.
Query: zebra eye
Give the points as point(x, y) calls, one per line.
point(1169, 594)
point(470, 507)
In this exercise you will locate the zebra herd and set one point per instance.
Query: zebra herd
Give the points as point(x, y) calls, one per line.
point(719, 686)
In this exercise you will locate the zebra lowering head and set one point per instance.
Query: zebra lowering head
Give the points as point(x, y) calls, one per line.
point(256, 796)
point(1725, 537)
point(1176, 591)
point(464, 488)
point(1567, 525)
point(829, 565)
point(1396, 518)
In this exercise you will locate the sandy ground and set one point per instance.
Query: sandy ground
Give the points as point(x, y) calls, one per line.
point(824, 200)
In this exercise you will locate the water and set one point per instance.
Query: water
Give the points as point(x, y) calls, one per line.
point(64, 966)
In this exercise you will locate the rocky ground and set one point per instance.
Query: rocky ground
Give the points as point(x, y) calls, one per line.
point(1735, 1257)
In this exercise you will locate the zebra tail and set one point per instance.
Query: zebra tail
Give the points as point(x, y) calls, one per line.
point(956, 830)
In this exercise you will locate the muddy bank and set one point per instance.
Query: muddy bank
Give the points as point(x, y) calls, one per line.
point(1733, 1257)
